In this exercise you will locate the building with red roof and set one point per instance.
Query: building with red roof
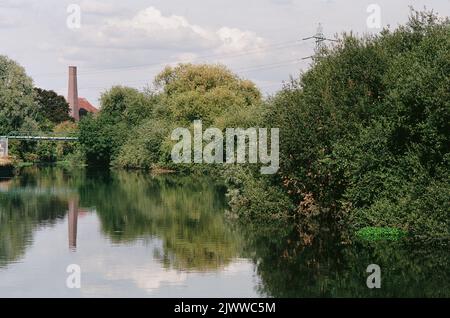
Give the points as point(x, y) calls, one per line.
point(85, 107)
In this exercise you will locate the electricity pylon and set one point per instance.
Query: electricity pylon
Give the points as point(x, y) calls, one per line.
point(319, 38)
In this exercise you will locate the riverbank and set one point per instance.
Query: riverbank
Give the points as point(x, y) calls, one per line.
point(6, 161)
point(6, 167)
point(62, 163)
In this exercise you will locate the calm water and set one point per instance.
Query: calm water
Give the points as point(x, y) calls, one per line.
point(136, 235)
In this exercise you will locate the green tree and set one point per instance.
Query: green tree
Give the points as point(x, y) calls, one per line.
point(18, 108)
point(52, 107)
point(211, 93)
point(102, 136)
point(366, 134)
point(126, 105)
point(99, 137)
point(133, 128)
point(183, 94)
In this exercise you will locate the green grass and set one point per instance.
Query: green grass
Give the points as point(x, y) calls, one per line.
point(380, 234)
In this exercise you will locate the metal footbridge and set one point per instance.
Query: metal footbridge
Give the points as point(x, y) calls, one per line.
point(40, 136)
point(30, 136)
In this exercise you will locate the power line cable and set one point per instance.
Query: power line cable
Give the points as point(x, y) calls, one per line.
point(276, 46)
point(238, 70)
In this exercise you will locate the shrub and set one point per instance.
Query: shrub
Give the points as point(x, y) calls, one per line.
point(365, 133)
point(380, 233)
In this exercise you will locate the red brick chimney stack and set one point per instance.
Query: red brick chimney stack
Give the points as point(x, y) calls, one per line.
point(72, 96)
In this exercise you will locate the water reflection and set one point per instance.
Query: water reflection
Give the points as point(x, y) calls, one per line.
point(186, 214)
point(73, 222)
point(330, 268)
point(139, 235)
point(23, 210)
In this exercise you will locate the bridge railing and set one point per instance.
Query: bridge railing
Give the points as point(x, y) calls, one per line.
point(29, 135)
point(39, 133)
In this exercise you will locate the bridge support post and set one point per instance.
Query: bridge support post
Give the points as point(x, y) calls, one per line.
point(3, 147)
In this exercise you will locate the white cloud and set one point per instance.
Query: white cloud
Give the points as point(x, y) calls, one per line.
point(234, 40)
point(148, 277)
point(150, 29)
point(100, 8)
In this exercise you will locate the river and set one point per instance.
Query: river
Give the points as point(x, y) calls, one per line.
point(132, 234)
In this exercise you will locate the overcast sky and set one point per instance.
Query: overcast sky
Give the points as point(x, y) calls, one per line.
point(129, 42)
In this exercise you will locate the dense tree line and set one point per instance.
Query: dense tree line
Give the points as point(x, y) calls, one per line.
point(25, 108)
point(133, 128)
point(365, 132)
point(365, 136)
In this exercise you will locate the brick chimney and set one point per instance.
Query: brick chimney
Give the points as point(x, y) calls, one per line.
point(72, 96)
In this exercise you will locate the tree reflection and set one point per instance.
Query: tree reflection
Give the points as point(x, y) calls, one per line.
point(20, 214)
point(185, 213)
point(329, 268)
point(186, 216)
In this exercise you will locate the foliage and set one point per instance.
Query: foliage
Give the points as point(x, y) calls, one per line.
point(133, 128)
point(125, 105)
point(65, 149)
point(365, 133)
point(18, 109)
point(24, 109)
point(102, 136)
point(380, 233)
point(204, 92)
point(52, 107)
point(144, 148)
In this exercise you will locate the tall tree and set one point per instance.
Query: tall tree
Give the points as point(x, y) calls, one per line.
point(52, 106)
point(18, 108)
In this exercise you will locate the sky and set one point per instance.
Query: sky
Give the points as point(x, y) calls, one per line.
point(129, 42)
